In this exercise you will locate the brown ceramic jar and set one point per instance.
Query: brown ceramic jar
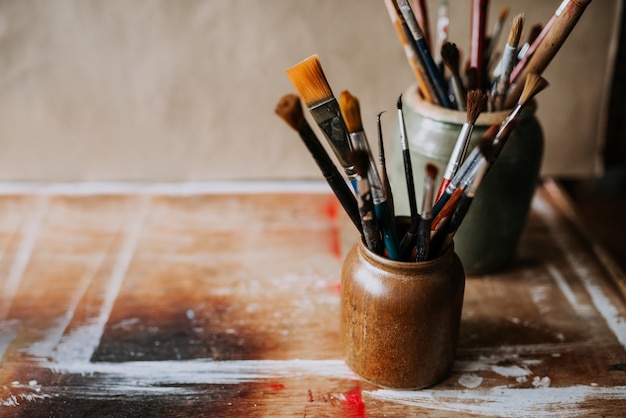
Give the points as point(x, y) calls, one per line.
point(400, 320)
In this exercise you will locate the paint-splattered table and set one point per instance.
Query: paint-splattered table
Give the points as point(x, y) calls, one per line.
point(222, 300)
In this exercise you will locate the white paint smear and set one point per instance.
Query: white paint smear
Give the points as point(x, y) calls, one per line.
point(29, 235)
point(502, 401)
point(614, 319)
point(470, 380)
point(81, 343)
point(146, 376)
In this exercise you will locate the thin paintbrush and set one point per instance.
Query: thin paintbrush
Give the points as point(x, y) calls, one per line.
point(406, 158)
point(310, 82)
point(477, 39)
point(290, 110)
point(382, 165)
point(445, 235)
point(534, 32)
point(424, 84)
point(451, 58)
point(371, 229)
point(423, 230)
point(418, 36)
point(461, 177)
point(476, 100)
point(351, 111)
point(443, 22)
point(421, 13)
point(549, 42)
point(501, 85)
point(500, 133)
point(495, 35)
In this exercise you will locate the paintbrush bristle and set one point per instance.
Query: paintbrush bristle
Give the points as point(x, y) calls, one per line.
point(431, 170)
point(451, 57)
point(310, 82)
point(517, 24)
point(361, 161)
point(476, 101)
point(351, 111)
point(534, 84)
point(290, 110)
point(504, 12)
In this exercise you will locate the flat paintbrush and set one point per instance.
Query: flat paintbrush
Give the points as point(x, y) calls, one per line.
point(310, 82)
point(351, 111)
point(371, 229)
point(476, 100)
point(290, 110)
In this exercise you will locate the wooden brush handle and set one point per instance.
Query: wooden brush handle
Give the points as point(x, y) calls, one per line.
point(567, 16)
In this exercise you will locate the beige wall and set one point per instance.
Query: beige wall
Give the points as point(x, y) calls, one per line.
point(185, 90)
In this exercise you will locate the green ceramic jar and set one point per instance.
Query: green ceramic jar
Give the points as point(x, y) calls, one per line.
point(487, 240)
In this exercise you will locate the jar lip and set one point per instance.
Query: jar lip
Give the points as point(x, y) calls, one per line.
point(412, 99)
point(387, 263)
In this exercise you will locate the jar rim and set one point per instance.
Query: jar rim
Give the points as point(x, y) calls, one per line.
point(389, 264)
point(429, 110)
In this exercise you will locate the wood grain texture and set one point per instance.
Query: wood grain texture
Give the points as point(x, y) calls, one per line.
point(227, 304)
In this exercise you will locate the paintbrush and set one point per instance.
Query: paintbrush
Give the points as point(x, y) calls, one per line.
point(477, 39)
point(476, 100)
point(421, 13)
point(418, 36)
point(424, 84)
point(423, 231)
point(382, 165)
point(443, 22)
point(500, 133)
point(501, 85)
point(310, 82)
point(443, 238)
point(406, 158)
point(451, 59)
point(548, 44)
point(471, 78)
point(290, 110)
point(371, 229)
point(464, 172)
point(495, 35)
point(351, 111)
point(534, 32)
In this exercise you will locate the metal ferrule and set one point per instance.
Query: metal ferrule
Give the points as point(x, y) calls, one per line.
point(359, 141)
point(328, 118)
point(460, 148)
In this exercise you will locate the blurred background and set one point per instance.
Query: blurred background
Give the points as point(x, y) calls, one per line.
point(111, 90)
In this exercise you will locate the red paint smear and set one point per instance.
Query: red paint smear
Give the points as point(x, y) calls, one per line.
point(332, 208)
point(332, 213)
point(353, 404)
point(277, 386)
point(335, 287)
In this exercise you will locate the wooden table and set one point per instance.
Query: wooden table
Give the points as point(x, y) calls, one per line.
point(223, 300)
